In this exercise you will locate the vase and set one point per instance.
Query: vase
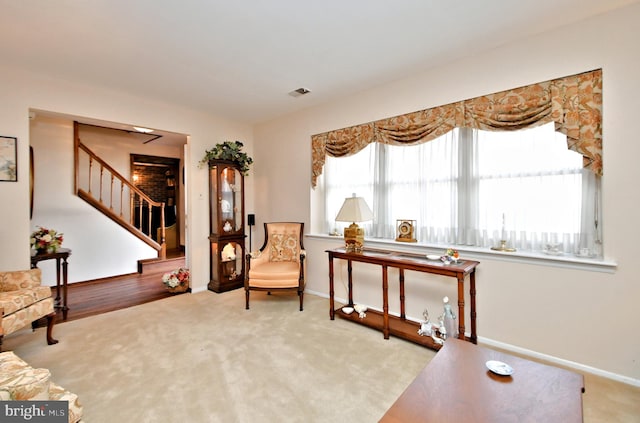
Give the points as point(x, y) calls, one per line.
point(46, 250)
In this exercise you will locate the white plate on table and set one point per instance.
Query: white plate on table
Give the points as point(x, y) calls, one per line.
point(499, 368)
point(433, 257)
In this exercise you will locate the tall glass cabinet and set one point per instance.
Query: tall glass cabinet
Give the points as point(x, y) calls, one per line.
point(226, 222)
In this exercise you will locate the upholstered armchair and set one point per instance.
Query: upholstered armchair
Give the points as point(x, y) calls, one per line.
point(24, 300)
point(21, 382)
point(279, 264)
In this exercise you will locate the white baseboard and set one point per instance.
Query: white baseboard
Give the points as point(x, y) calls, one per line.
point(196, 290)
point(323, 295)
point(533, 354)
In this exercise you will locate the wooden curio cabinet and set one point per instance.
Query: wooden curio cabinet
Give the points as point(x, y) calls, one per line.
point(226, 223)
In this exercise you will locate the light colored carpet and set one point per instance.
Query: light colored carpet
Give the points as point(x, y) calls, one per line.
point(204, 358)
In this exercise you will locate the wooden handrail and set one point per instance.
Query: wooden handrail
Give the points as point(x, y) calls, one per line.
point(108, 208)
point(117, 175)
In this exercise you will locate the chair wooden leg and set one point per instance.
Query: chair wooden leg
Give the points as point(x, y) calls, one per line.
point(246, 294)
point(51, 318)
point(301, 295)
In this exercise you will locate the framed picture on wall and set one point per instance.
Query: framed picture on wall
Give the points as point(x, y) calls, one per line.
point(8, 159)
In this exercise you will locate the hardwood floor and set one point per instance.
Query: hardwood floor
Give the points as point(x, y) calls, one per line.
point(104, 295)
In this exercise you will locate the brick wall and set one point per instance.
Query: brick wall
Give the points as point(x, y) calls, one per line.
point(152, 181)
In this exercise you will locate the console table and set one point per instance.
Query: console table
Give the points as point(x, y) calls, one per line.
point(457, 387)
point(60, 256)
point(400, 326)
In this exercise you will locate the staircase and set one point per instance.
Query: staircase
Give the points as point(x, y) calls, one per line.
point(105, 189)
point(168, 264)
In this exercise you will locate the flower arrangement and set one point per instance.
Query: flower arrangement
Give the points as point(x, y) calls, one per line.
point(451, 256)
point(45, 239)
point(177, 280)
point(229, 150)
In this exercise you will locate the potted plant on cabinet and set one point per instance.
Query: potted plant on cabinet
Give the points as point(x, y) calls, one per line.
point(229, 150)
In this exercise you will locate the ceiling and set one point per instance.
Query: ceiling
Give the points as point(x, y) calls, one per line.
point(240, 59)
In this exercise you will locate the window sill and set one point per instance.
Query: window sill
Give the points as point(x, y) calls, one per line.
point(566, 260)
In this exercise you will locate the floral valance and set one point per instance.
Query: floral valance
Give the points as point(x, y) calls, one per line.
point(574, 103)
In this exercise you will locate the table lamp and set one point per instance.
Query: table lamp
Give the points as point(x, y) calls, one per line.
point(354, 209)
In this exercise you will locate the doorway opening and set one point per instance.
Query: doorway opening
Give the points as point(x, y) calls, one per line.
point(158, 177)
point(87, 233)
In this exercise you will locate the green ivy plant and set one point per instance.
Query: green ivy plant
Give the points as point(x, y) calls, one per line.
point(229, 150)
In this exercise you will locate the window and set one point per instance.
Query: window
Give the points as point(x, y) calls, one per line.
point(475, 188)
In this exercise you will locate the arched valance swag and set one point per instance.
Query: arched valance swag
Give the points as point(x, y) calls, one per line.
point(574, 103)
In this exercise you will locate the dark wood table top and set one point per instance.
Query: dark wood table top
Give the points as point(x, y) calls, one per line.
point(456, 386)
point(405, 260)
point(59, 253)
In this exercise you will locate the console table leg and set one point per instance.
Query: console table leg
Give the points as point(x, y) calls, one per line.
point(472, 299)
point(403, 314)
point(57, 301)
point(385, 302)
point(461, 327)
point(331, 306)
point(65, 307)
point(350, 282)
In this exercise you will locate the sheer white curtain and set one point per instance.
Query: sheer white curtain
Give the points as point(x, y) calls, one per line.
point(422, 184)
point(343, 177)
point(590, 242)
point(530, 189)
point(475, 188)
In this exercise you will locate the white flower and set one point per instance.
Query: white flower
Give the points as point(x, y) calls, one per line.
point(176, 278)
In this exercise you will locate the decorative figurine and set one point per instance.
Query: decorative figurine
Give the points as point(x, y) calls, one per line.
point(448, 320)
point(361, 310)
point(439, 340)
point(426, 328)
point(227, 226)
point(228, 253)
point(436, 340)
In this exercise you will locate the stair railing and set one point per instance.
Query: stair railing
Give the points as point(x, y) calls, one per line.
point(107, 190)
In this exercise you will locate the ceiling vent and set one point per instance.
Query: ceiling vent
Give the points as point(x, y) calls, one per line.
point(299, 92)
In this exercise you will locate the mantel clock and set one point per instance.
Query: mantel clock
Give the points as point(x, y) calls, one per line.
point(405, 230)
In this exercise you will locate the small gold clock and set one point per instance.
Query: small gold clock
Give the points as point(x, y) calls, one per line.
point(405, 230)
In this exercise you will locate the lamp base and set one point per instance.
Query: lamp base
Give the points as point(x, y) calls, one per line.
point(353, 238)
point(503, 247)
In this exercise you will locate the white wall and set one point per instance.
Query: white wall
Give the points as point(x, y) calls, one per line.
point(22, 91)
point(586, 317)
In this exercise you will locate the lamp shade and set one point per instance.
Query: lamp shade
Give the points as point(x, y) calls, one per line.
point(354, 209)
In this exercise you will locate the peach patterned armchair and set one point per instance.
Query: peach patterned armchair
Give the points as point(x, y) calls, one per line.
point(279, 265)
point(23, 300)
point(21, 382)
